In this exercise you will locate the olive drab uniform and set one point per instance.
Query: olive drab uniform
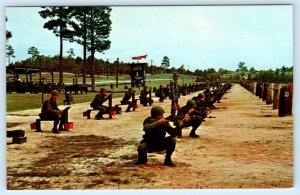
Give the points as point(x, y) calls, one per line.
point(50, 111)
point(154, 139)
point(145, 100)
point(161, 93)
point(97, 104)
point(195, 123)
point(126, 98)
point(174, 95)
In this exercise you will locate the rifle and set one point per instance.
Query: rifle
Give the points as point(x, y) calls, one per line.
point(179, 120)
point(205, 107)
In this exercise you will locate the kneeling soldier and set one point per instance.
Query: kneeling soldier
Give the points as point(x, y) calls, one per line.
point(127, 96)
point(145, 100)
point(155, 128)
point(187, 111)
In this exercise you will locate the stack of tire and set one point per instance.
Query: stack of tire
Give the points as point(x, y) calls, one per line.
point(18, 136)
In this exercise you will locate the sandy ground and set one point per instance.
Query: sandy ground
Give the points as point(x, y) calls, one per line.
point(246, 146)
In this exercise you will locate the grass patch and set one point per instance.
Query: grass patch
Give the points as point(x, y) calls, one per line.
point(17, 102)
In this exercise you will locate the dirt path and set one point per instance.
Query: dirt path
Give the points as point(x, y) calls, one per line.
point(246, 146)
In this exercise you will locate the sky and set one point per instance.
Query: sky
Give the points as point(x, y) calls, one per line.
point(198, 37)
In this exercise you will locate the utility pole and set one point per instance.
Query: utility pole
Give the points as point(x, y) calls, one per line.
point(107, 63)
point(117, 78)
point(151, 65)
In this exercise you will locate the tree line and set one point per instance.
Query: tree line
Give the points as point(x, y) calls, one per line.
point(90, 27)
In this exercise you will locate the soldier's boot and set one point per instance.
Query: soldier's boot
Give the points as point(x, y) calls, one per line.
point(179, 134)
point(142, 159)
point(99, 116)
point(128, 108)
point(171, 143)
point(169, 162)
point(61, 127)
point(54, 129)
point(193, 134)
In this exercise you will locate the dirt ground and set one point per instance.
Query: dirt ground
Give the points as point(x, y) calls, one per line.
point(246, 146)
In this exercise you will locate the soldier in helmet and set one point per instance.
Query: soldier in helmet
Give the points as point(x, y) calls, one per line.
point(161, 93)
point(200, 100)
point(174, 94)
point(190, 110)
point(50, 111)
point(155, 128)
point(126, 99)
point(145, 100)
point(207, 92)
point(201, 104)
point(97, 104)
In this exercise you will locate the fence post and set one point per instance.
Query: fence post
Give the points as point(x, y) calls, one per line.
point(269, 96)
point(276, 93)
point(286, 100)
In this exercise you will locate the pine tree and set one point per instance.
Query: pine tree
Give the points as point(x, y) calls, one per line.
point(92, 27)
point(60, 23)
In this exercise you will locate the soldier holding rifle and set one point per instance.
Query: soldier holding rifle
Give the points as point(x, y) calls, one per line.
point(174, 94)
point(145, 100)
point(97, 104)
point(126, 99)
point(154, 139)
point(188, 111)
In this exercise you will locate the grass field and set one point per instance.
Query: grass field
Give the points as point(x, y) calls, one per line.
point(21, 101)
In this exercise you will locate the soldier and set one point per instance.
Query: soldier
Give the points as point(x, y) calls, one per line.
point(145, 100)
point(50, 111)
point(161, 93)
point(155, 128)
point(207, 92)
point(201, 105)
point(97, 104)
point(167, 91)
point(187, 111)
point(200, 100)
point(174, 95)
point(128, 94)
point(209, 97)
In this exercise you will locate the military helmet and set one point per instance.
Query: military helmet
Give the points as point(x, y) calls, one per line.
point(156, 111)
point(54, 93)
point(190, 103)
point(200, 95)
point(102, 89)
point(175, 74)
